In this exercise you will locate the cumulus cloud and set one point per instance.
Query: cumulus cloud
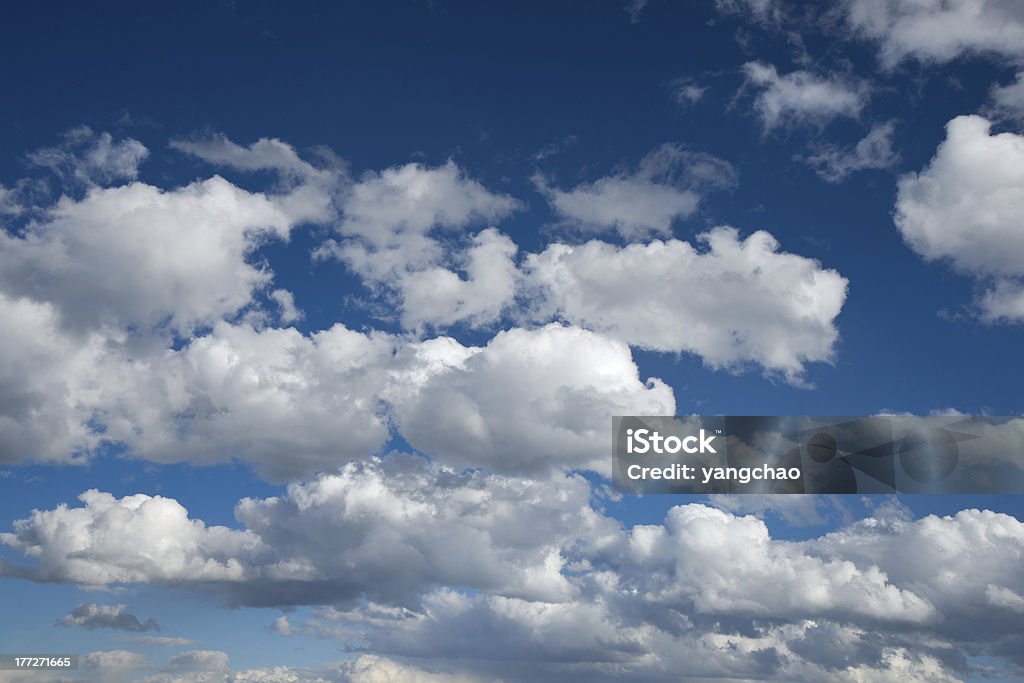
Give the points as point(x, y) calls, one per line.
point(138, 256)
point(89, 158)
point(874, 151)
point(553, 590)
point(937, 32)
point(394, 224)
point(97, 287)
point(289, 403)
point(666, 186)
point(964, 207)
point(737, 301)
point(397, 527)
point(802, 97)
point(438, 296)
point(709, 582)
point(92, 616)
point(46, 377)
point(292, 404)
point(529, 402)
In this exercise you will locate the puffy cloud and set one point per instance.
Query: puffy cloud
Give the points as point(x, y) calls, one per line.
point(397, 527)
point(438, 296)
point(965, 206)
point(664, 187)
point(91, 616)
point(556, 591)
point(976, 550)
point(801, 97)
point(939, 30)
point(874, 151)
point(90, 158)
point(710, 594)
point(294, 404)
point(290, 404)
point(138, 256)
point(46, 377)
point(135, 539)
point(391, 226)
point(529, 402)
point(415, 199)
point(598, 640)
point(738, 301)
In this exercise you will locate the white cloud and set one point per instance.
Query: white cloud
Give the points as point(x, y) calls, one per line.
point(665, 186)
point(939, 31)
point(873, 151)
point(288, 311)
point(710, 594)
point(91, 158)
point(557, 591)
point(266, 154)
point(530, 402)
point(437, 296)
point(135, 539)
point(802, 97)
point(91, 616)
point(396, 527)
point(1008, 100)
point(394, 227)
point(736, 302)
point(306, 192)
point(383, 208)
point(1003, 302)
point(139, 256)
point(46, 376)
point(964, 207)
point(288, 403)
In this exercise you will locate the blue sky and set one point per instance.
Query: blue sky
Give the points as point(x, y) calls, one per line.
point(257, 252)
